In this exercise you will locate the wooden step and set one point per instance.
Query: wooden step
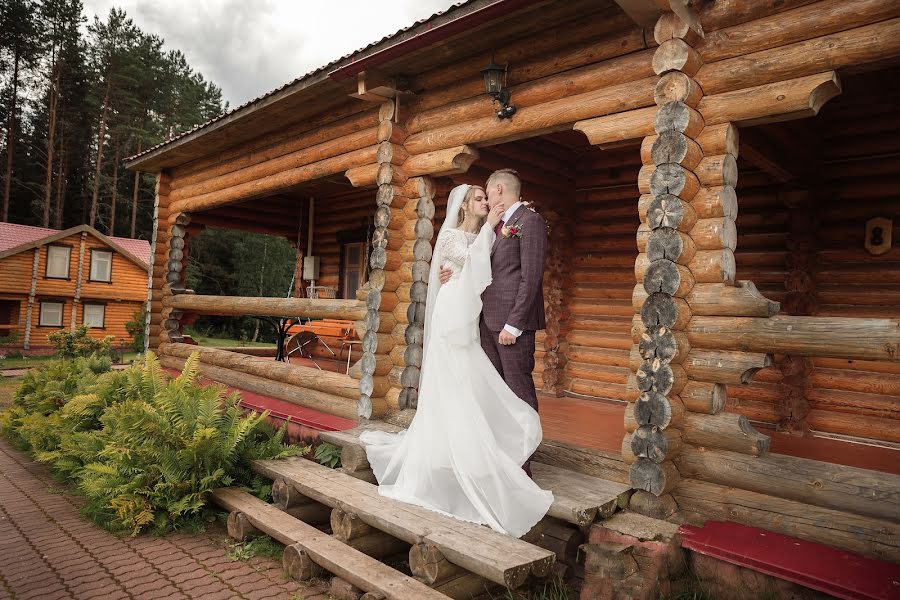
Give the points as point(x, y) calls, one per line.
point(578, 499)
point(363, 571)
point(481, 550)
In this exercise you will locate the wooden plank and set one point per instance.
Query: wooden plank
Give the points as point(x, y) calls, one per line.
point(337, 557)
point(577, 498)
point(492, 555)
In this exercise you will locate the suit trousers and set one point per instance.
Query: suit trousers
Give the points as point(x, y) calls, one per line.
point(515, 363)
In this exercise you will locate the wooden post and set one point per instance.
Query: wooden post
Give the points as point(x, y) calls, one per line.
point(418, 235)
point(159, 258)
point(80, 276)
point(800, 299)
point(32, 292)
point(670, 179)
point(382, 295)
point(556, 280)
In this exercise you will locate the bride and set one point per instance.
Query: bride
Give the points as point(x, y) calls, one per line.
point(463, 451)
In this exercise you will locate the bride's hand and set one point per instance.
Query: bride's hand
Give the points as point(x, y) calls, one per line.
point(494, 216)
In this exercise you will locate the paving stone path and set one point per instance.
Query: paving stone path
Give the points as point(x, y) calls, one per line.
point(48, 551)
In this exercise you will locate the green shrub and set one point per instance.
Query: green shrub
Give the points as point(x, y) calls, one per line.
point(136, 328)
point(145, 450)
point(75, 343)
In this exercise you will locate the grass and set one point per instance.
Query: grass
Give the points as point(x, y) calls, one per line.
point(553, 589)
point(226, 342)
point(261, 546)
point(27, 362)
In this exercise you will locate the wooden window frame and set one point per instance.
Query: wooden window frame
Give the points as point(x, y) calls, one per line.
point(91, 266)
point(84, 306)
point(68, 276)
point(62, 312)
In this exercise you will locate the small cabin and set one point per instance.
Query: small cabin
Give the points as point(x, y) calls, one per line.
point(52, 280)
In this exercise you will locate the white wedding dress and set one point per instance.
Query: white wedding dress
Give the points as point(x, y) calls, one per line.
point(463, 451)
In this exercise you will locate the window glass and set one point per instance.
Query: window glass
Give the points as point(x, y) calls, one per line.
point(58, 261)
point(51, 314)
point(101, 265)
point(94, 314)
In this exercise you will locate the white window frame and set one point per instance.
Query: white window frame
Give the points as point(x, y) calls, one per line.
point(84, 315)
point(53, 250)
point(92, 275)
point(43, 313)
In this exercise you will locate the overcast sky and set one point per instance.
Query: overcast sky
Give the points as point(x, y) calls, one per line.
point(249, 47)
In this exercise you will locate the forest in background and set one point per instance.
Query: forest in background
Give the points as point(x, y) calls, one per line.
point(76, 99)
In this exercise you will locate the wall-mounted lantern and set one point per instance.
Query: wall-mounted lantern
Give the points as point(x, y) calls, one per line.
point(494, 86)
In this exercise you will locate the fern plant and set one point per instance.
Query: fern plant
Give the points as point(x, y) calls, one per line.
point(144, 449)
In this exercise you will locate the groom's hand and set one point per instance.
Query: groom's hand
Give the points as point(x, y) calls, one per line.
point(446, 274)
point(506, 338)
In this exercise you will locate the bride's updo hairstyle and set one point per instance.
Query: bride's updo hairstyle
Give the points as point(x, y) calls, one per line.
point(466, 205)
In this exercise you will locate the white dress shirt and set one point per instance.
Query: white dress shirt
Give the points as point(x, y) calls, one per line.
point(506, 217)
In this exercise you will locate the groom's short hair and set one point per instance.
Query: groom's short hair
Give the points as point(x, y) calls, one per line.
point(509, 178)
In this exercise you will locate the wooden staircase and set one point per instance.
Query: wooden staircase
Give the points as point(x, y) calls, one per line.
point(447, 557)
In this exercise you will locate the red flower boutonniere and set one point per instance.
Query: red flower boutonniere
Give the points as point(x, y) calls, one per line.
point(511, 231)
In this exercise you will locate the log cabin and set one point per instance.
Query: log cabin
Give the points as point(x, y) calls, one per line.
point(722, 289)
point(52, 280)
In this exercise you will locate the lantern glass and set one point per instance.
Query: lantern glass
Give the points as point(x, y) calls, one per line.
point(493, 78)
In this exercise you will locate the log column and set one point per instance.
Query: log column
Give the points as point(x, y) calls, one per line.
point(383, 298)
point(687, 240)
point(176, 265)
point(800, 299)
point(668, 182)
point(556, 282)
point(416, 254)
point(160, 259)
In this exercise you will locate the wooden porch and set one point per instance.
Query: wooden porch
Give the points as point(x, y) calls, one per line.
point(443, 556)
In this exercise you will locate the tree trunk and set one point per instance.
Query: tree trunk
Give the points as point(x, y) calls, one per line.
point(115, 193)
point(10, 138)
point(60, 184)
point(51, 134)
point(101, 140)
point(137, 180)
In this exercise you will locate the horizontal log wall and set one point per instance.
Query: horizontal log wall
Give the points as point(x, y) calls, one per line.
point(781, 238)
point(602, 274)
point(858, 398)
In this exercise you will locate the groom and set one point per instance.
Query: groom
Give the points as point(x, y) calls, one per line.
point(514, 301)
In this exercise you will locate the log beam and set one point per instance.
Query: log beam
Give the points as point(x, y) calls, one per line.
point(318, 308)
point(835, 337)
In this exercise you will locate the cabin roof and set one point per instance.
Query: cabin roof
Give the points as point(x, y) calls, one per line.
point(15, 238)
point(327, 81)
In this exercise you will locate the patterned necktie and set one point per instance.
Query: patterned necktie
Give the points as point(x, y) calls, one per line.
point(499, 227)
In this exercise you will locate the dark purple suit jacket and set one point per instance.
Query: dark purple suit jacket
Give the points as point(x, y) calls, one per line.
point(516, 294)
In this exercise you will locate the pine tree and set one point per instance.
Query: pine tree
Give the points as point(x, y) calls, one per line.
point(20, 40)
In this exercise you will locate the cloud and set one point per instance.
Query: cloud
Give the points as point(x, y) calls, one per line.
point(251, 47)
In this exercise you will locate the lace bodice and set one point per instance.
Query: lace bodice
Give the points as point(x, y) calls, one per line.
point(454, 245)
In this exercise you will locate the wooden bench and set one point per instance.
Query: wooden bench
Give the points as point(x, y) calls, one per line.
point(577, 499)
point(480, 550)
point(816, 566)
